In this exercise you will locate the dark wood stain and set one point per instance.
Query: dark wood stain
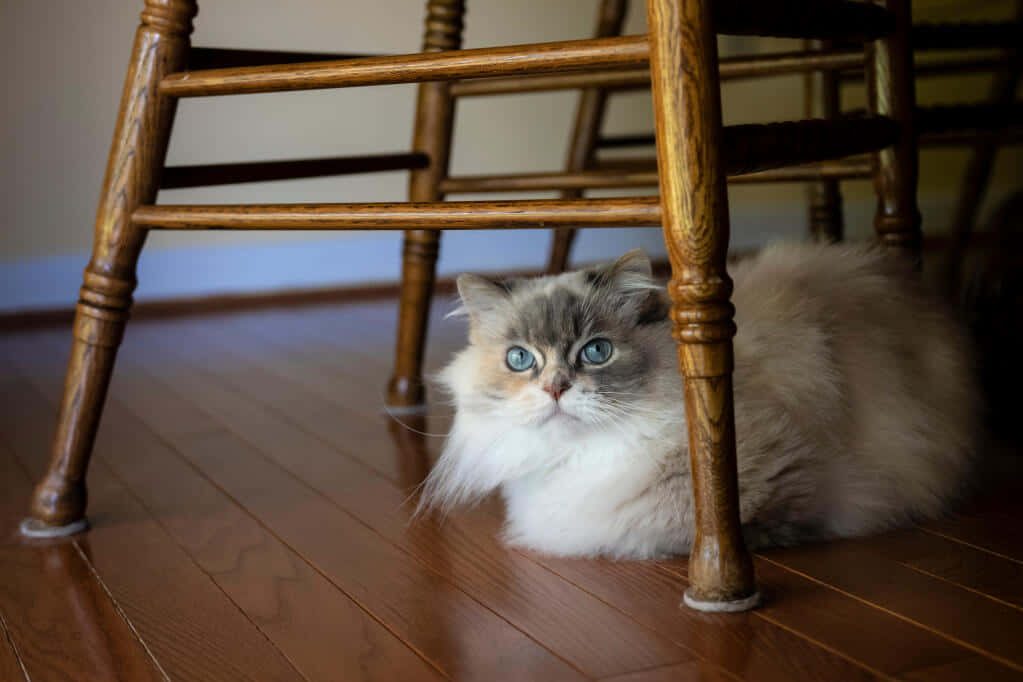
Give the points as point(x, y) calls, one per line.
point(240, 532)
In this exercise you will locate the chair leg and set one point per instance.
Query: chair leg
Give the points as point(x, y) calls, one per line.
point(687, 107)
point(589, 115)
point(826, 224)
point(132, 178)
point(434, 118)
point(892, 94)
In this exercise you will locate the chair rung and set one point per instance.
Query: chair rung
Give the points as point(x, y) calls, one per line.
point(618, 141)
point(796, 19)
point(828, 19)
point(175, 177)
point(939, 64)
point(757, 147)
point(611, 178)
point(967, 35)
point(729, 68)
point(557, 180)
point(638, 79)
point(225, 58)
point(603, 53)
point(443, 215)
point(959, 138)
point(961, 117)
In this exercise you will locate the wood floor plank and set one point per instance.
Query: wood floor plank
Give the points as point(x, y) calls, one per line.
point(989, 527)
point(57, 615)
point(15, 489)
point(859, 631)
point(191, 628)
point(747, 646)
point(460, 636)
point(11, 666)
point(278, 414)
point(696, 671)
point(328, 474)
point(975, 668)
point(857, 568)
point(990, 574)
point(322, 631)
point(595, 638)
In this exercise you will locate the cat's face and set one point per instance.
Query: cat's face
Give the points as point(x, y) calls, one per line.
point(571, 352)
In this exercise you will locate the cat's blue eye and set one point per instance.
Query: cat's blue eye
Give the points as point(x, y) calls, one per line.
point(519, 359)
point(597, 352)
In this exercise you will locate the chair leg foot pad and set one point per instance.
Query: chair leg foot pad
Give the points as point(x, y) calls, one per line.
point(34, 528)
point(733, 606)
point(405, 410)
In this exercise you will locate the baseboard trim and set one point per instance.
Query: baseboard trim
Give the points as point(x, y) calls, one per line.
point(24, 320)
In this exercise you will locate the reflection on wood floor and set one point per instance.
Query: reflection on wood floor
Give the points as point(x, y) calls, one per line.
point(249, 501)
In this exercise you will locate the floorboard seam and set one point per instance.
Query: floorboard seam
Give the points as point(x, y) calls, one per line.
point(350, 514)
point(979, 548)
point(14, 648)
point(961, 586)
point(976, 649)
point(117, 608)
point(113, 473)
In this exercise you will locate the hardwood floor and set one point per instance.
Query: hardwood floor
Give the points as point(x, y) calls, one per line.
point(250, 520)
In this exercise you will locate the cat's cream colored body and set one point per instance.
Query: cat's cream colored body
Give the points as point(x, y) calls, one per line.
point(855, 412)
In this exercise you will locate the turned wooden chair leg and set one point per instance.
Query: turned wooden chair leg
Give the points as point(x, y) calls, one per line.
point(434, 117)
point(826, 223)
point(687, 107)
point(132, 178)
point(892, 93)
point(589, 115)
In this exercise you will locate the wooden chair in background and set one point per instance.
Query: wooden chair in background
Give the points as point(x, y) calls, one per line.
point(695, 154)
point(940, 49)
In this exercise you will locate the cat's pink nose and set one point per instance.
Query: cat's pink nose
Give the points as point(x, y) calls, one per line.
point(557, 388)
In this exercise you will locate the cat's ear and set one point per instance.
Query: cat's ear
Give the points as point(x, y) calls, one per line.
point(630, 280)
point(630, 273)
point(481, 295)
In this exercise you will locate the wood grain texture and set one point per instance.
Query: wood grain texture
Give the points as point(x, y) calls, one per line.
point(892, 93)
point(535, 601)
point(862, 568)
point(132, 178)
point(589, 116)
point(825, 615)
point(434, 122)
point(729, 68)
point(615, 178)
point(744, 645)
point(687, 106)
point(323, 632)
point(273, 389)
point(57, 620)
point(450, 215)
point(11, 666)
point(377, 506)
point(684, 671)
point(188, 625)
point(205, 175)
point(448, 63)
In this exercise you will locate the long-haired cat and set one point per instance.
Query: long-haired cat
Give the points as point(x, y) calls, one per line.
point(855, 406)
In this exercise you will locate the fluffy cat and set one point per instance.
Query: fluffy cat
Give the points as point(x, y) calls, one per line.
point(855, 405)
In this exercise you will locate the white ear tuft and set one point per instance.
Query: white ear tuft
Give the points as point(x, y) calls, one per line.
point(480, 295)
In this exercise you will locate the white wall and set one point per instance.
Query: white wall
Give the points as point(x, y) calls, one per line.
point(63, 65)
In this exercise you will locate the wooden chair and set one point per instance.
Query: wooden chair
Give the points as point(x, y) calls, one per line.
point(936, 46)
point(695, 154)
